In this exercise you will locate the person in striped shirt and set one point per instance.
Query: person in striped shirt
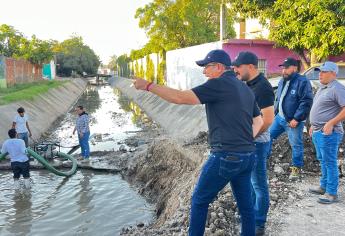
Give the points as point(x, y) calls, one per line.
point(83, 131)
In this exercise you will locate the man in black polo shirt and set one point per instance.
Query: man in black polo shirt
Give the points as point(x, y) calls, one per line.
point(246, 68)
point(233, 119)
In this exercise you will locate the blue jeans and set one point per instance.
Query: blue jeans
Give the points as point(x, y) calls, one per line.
point(84, 144)
point(327, 153)
point(295, 136)
point(220, 169)
point(25, 137)
point(260, 184)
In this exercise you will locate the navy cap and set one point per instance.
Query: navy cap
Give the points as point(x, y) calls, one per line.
point(245, 58)
point(289, 62)
point(218, 56)
point(328, 66)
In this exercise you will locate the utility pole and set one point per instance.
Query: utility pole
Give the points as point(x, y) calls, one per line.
point(222, 21)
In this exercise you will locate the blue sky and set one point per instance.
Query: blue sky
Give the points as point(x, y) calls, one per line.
point(107, 26)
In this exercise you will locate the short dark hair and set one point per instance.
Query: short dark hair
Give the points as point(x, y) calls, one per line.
point(12, 133)
point(20, 110)
point(80, 107)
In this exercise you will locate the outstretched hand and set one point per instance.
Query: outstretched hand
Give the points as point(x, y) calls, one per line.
point(140, 84)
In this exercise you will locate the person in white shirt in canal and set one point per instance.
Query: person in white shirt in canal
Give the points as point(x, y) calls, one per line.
point(21, 124)
point(16, 150)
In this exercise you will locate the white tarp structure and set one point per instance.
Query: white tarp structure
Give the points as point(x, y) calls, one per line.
point(182, 72)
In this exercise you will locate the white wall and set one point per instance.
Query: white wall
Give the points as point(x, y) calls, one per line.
point(52, 69)
point(253, 29)
point(182, 71)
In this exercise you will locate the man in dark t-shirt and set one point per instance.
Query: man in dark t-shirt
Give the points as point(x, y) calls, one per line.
point(233, 120)
point(246, 68)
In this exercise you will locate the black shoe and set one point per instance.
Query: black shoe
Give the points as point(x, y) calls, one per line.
point(259, 231)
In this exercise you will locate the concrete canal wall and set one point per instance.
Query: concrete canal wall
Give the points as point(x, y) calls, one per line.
point(180, 121)
point(44, 109)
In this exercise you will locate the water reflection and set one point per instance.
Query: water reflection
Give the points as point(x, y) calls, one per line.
point(128, 105)
point(113, 118)
point(90, 99)
point(88, 203)
point(20, 222)
point(85, 194)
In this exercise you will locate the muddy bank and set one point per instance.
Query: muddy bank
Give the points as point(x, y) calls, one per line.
point(180, 121)
point(44, 109)
point(167, 172)
point(169, 181)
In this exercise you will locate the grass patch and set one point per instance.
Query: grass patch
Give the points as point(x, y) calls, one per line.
point(27, 91)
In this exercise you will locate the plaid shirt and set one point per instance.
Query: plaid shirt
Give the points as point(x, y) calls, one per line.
point(82, 123)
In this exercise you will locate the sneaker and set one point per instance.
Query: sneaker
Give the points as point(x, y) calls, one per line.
point(318, 191)
point(328, 199)
point(259, 231)
point(295, 173)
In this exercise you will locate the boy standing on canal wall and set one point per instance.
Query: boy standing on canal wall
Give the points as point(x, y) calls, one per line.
point(21, 124)
point(16, 150)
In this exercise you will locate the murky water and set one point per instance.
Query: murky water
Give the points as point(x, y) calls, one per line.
point(112, 119)
point(88, 203)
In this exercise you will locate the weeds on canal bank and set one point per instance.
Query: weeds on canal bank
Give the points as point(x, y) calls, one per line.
point(26, 91)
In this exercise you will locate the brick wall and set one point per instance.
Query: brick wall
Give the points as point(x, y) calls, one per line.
point(19, 71)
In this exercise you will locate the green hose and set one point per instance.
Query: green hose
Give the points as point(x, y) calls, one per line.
point(46, 164)
point(2, 156)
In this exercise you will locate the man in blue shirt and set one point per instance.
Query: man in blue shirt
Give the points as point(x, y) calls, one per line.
point(19, 160)
point(233, 119)
point(292, 107)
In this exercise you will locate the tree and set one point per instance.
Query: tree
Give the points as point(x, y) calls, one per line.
point(38, 51)
point(150, 69)
point(113, 63)
point(181, 23)
point(73, 55)
point(11, 41)
point(311, 28)
point(317, 26)
point(123, 64)
point(14, 44)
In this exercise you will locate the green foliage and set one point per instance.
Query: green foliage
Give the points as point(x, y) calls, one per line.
point(14, 44)
point(181, 23)
point(251, 8)
point(38, 51)
point(123, 64)
point(73, 55)
point(177, 24)
point(141, 71)
point(150, 69)
point(112, 63)
point(11, 41)
point(136, 68)
point(26, 91)
point(316, 26)
point(161, 73)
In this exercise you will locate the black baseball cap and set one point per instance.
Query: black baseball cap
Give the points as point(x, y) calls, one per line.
point(245, 58)
point(289, 62)
point(218, 56)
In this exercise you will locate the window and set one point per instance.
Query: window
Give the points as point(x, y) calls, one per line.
point(262, 66)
